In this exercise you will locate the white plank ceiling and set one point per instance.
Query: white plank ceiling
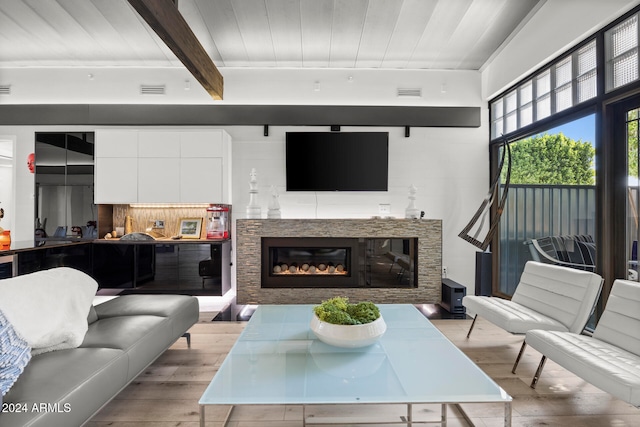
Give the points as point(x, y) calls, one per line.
point(390, 34)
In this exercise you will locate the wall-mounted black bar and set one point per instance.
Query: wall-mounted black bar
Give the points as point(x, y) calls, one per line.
point(248, 115)
point(266, 130)
point(407, 131)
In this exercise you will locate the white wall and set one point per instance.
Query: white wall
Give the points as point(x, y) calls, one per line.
point(23, 184)
point(241, 86)
point(557, 26)
point(7, 165)
point(449, 166)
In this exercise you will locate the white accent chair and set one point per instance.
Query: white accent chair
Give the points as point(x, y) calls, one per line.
point(548, 297)
point(610, 359)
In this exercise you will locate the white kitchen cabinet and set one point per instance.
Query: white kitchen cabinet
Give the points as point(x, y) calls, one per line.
point(202, 143)
point(116, 143)
point(163, 166)
point(116, 166)
point(205, 166)
point(201, 180)
point(158, 180)
point(115, 180)
point(159, 143)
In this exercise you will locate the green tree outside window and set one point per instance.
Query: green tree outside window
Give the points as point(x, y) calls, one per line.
point(552, 160)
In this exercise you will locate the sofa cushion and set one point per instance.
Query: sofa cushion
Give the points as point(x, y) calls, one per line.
point(604, 365)
point(15, 353)
point(75, 383)
point(155, 305)
point(93, 316)
point(510, 316)
point(565, 294)
point(182, 309)
point(142, 338)
point(620, 322)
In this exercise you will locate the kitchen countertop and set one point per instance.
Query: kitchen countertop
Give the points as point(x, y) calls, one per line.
point(29, 245)
point(159, 241)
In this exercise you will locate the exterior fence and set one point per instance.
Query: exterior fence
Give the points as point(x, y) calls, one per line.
point(534, 211)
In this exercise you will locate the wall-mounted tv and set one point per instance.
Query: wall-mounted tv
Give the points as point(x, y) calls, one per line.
point(337, 161)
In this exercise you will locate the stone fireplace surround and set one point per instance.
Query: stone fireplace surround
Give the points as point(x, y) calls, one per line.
point(249, 233)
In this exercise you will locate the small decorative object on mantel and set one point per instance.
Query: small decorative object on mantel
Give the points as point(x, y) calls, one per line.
point(274, 204)
point(253, 209)
point(342, 324)
point(412, 212)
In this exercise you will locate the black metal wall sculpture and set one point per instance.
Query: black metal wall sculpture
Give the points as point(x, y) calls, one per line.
point(484, 210)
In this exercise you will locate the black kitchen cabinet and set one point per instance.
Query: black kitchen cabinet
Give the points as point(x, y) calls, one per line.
point(194, 268)
point(122, 265)
point(200, 267)
point(77, 255)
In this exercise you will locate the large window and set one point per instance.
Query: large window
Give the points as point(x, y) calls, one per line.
point(621, 52)
point(594, 86)
point(552, 194)
point(562, 85)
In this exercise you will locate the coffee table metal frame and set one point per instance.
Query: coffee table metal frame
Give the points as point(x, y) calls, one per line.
point(277, 360)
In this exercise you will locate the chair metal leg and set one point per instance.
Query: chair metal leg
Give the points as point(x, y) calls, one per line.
point(472, 325)
point(536, 376)
point(515, 365)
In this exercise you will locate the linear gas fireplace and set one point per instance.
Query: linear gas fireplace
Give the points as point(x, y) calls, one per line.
point(329, 262)
point(304, 261)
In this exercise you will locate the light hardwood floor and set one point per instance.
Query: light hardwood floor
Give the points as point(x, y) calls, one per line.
point(167, 393)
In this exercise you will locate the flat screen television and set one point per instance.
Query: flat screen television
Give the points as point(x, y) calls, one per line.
point(337, 161)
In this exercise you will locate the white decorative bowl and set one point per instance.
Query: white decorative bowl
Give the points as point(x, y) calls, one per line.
point(348, 336)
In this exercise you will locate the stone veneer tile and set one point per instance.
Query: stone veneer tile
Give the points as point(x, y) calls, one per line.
point(250, 231)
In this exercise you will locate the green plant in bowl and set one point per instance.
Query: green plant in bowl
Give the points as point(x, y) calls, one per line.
point(337, 322)
point(339, 311)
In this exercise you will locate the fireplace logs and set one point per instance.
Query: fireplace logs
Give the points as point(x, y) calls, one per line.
point(286, 269)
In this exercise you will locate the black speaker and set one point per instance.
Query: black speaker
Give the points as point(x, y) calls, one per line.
point(452, 294)
point(483, 273)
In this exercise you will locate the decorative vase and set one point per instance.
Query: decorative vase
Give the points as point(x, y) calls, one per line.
point(348, 336)
point(5, 240)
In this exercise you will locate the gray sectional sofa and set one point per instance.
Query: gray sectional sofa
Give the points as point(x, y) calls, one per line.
point(65, 388)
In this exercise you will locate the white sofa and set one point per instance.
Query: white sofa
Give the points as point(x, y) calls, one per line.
point(610, 359)
point(548, 297)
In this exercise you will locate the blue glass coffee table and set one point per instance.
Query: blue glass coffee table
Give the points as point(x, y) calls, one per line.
point(278, 360)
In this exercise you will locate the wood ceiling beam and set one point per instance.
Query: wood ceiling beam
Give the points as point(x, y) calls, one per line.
point(165, 19)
